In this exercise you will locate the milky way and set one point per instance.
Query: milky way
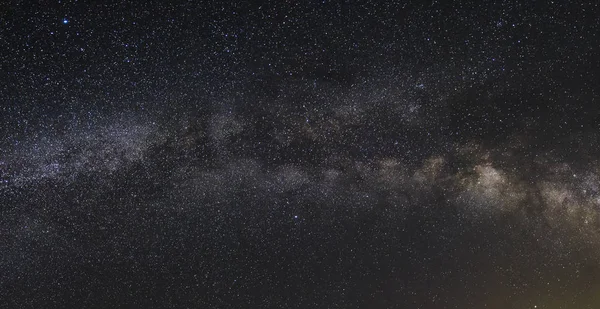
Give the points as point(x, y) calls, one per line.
point(318, 155)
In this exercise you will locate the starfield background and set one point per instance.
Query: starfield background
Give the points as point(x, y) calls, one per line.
point(299, 154)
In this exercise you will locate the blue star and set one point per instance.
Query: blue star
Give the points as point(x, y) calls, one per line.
point(65, 21)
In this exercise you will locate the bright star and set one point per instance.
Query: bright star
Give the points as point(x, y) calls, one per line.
point(65, 21)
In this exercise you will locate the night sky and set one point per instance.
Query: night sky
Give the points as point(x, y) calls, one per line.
point(300, 154)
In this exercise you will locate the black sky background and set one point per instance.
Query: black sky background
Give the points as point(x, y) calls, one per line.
point(316, 154)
